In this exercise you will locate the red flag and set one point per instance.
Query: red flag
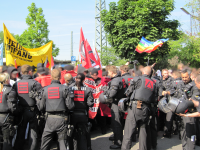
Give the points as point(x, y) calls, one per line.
point(97, 57)
point(46, 63)
point(90, 56)
point(52, 62)
point(82, 50)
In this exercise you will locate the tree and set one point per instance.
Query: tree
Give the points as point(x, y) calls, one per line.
point(128, 21)
point(37, 33)
point(187, 48)
point(109, 57)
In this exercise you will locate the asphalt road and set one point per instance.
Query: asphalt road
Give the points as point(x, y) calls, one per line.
point(101, 142)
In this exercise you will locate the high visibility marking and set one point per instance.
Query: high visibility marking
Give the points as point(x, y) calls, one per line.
point(23, 88)
point(124, 83)
point(79, 96)
point(129, 79)
point(149, 84)
point(53, 93)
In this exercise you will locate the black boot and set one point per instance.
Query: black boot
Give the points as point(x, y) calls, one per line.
point(115, 146)
point(167, 135)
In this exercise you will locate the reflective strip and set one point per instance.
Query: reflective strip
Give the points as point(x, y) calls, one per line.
point(79, 96)
point(53, 93)
point(23, 87)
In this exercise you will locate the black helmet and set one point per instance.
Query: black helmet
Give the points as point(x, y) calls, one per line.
point(123, 105)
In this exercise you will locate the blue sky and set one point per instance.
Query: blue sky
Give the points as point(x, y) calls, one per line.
point(64, 16)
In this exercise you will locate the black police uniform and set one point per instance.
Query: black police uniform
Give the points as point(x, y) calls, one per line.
point(153, 118)
point(126, 78)
point(28, 111)
point(187, 128)
point(167, 85)
point(197, 122)
point(141, 92)
point(70, 83)
point(116, 92)
point(83, 99)
point(8, 106)
point(177, 118)
point(56, 101)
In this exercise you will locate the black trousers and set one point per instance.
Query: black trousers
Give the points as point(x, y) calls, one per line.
point(140, 117)
point(54, 125)
point(6, 128)
point(80, 138)
point(187, 131)
point(28, 116)
point(116, 123)
point(153, 127)
point(197, 122)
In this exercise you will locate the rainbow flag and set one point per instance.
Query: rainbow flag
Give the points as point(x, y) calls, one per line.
point(148, 46)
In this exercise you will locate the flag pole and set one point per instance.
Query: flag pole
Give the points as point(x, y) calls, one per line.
point(148, 61)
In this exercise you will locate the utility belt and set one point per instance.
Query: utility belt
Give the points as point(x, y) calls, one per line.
point(79, 112)
point(59, 113)
point(140, 103)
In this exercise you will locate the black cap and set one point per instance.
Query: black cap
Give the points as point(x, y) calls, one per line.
point(41, 70)
point(94, 70)
point(90, 69)
point(12, 70)
point(81, 69)
point(69, 67)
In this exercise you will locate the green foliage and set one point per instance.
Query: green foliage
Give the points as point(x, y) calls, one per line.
point(37, 33)
point(109, 57)
point(187, 48)
point(128, 21)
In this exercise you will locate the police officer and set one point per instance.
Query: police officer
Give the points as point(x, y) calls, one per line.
point(195, 100)
point(8, 106)
point(56, 101)
point(68, 80)
point(188, 89)
point(114, 93)
point(167, 89)
point(177, 78)
point(141, 93)
point(24, 93)
point(126, 77)
point(83, 99)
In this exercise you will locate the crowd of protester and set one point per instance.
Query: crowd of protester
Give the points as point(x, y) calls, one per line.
point(53, 104)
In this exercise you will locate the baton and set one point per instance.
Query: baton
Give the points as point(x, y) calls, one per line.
point(6, 118)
